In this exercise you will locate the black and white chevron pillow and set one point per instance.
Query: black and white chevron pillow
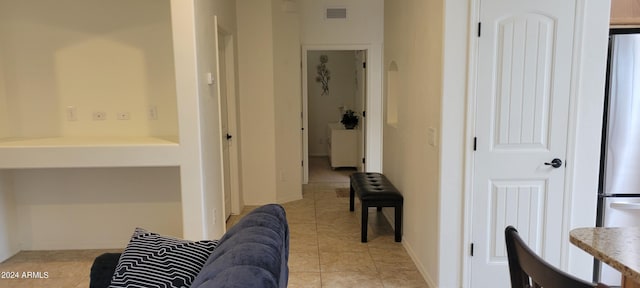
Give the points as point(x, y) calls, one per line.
point(153, 260)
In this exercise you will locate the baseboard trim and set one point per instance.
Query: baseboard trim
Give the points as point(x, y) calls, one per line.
point(289, 199)
point(319, 155)
point(407, 246)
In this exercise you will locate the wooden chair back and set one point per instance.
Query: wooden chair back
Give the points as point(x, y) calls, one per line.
point(527, 269)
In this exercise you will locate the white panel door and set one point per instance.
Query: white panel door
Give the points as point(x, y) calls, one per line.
point(524, 61)
point(224, 121)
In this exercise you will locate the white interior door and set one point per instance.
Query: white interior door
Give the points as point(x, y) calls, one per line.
point(524, 59)
point(224, 123)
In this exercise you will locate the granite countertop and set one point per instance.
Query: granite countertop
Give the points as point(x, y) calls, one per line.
point(619, 247)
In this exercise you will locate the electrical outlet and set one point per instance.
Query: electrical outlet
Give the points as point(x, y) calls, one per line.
point(152, 113)
point(123, 116)
point(99, 116)
point(72, 114)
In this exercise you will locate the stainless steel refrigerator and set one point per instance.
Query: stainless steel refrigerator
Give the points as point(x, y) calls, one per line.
point(619, 193)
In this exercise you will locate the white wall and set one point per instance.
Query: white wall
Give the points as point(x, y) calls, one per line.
point(324, 109)
point(287, 90)
point(100, 207)
point(8, 243)
point(201, 172)
point(269, 100)
point(208, 107)
point(363, 30)
point(8, 221)
point(257, 101)
point(364, 22)
point(4, 113)
point(197, 214)
point(455, 49)
point(57, 57)
point(225, 10)
point(413, 37)
point(209, 120)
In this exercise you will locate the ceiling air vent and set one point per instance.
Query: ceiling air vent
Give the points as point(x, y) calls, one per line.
point(336, 13)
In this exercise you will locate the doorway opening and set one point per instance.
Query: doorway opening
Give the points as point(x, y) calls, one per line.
point(336, 85)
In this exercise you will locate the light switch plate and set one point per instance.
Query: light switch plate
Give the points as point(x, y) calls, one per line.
point(431, 136)
point(72, 114)
point(152, 113)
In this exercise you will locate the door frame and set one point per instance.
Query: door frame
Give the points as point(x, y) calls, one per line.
point(228, 41)
point(585, 112)
point(373, 102)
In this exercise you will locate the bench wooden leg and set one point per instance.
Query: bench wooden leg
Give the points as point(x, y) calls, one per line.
point(351, 200)
point(398, 220)
point(365, 218)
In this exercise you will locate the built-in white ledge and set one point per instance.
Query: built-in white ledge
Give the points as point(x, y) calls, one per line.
point(80, 151)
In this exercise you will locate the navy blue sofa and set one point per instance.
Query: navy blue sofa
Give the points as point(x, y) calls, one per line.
point(253, 253)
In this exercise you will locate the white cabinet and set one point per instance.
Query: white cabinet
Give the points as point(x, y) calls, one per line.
point(343, 146)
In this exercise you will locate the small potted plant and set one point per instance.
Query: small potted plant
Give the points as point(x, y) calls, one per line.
point(349, 119)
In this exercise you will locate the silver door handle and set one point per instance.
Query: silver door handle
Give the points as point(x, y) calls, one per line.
point(625, 205)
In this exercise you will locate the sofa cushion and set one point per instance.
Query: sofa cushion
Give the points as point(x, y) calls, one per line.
point(153, 260)
point(253, 253)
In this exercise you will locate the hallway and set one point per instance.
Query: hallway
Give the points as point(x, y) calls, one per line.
point(326, 250)
point(325, 243)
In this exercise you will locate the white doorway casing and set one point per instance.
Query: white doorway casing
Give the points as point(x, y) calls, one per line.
point(373, 105)
point(226, 85)
point(328, 107)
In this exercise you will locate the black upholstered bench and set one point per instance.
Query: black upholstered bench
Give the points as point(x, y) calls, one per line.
point(375, 190)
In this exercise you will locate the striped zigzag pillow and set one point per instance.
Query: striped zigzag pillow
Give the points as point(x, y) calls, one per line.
point(153, 260)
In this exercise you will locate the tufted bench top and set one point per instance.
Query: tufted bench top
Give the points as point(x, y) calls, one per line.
point(374, 186)
point(375, 190)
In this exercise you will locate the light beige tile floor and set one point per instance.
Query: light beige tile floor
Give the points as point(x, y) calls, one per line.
point(339, 259)
point(325, 247)
point(64, 269)
point(321, 172)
